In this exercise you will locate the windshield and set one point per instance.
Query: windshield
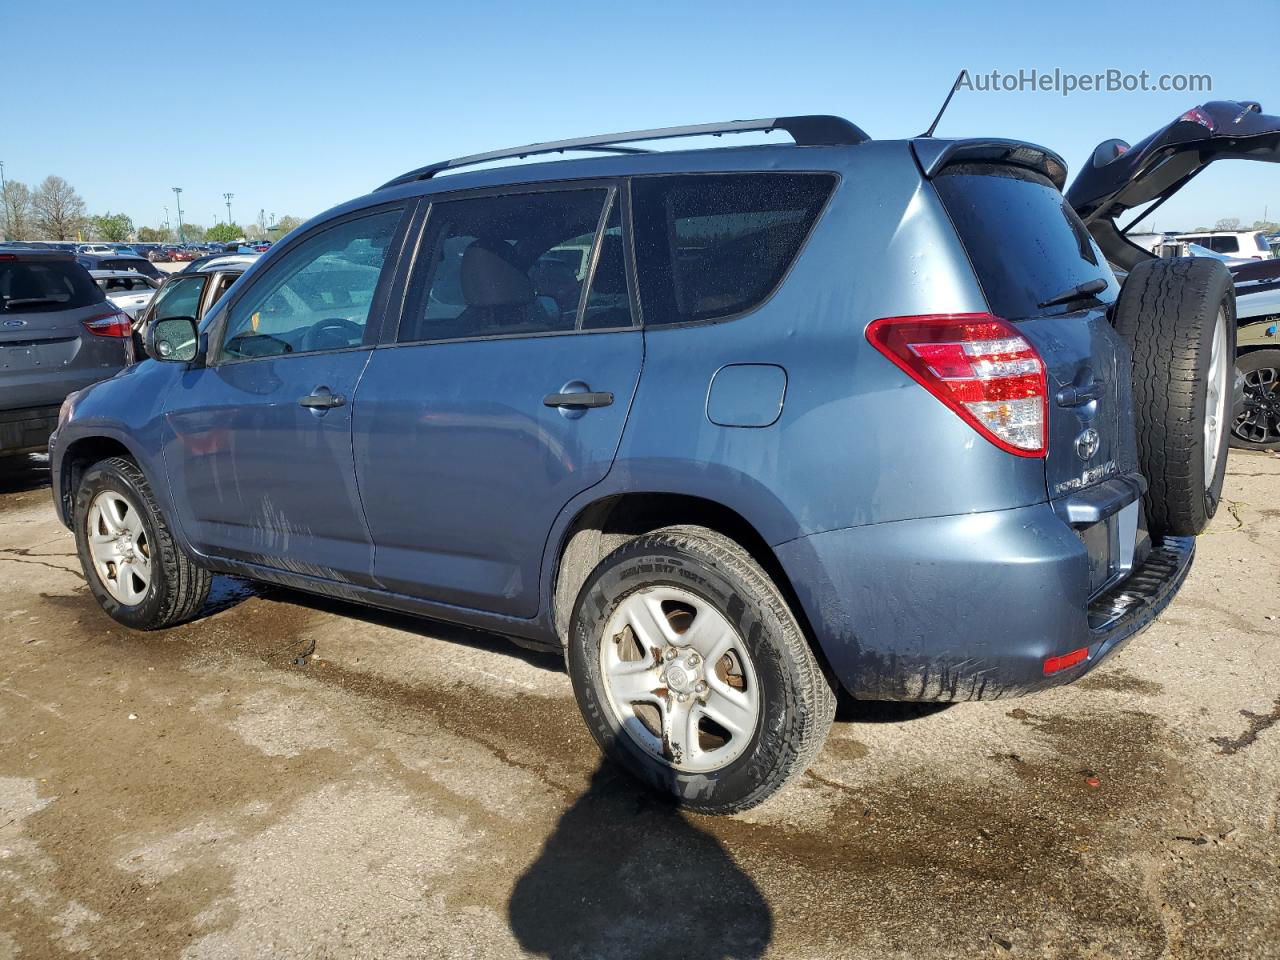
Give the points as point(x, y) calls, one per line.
point(36, 286)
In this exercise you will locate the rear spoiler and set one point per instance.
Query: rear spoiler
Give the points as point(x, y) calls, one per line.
point(936, 155)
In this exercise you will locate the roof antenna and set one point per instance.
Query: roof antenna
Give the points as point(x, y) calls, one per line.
point(945, 103)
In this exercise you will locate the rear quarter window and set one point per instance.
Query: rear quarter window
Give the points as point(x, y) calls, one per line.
point(1025, 243)
point(711, 246)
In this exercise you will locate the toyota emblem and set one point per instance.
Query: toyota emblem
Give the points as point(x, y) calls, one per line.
point(1087, 444)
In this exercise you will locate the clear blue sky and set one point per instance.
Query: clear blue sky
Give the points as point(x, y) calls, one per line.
point(294, 107)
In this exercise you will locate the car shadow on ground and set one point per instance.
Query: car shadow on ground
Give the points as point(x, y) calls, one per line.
point(436, 629)
point(627, 875)
point(22, 473)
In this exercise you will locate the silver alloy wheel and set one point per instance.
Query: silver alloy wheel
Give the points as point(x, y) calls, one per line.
point(1217, 391)
point(679, 679)
point(119, 547)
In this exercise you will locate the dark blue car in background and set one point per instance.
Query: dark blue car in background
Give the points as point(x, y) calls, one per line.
point(735, 428)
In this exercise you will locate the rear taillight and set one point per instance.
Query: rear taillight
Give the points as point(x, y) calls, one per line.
point(113, 324)
point(980, 367)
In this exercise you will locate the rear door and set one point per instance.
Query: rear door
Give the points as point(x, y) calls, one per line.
point(503, 396)
point(1028, 248)
point(46, 349)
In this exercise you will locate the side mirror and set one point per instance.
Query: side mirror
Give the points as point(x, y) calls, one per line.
point(173, 340)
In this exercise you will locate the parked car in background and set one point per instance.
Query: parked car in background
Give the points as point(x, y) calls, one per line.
point(159, 254)
point(191, 293)
point(58, 333)
point(1245, 244)
point(847, 413)
point(220, 259)
point(96, 249)
point(127, 289)
point(120, 262)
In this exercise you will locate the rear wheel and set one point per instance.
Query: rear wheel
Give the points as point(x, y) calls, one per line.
point(135, 569)
point(1178, 317)
point(692, 673)
point(1258, 427)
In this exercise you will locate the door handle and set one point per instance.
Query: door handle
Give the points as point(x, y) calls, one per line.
point(322, 401)
point(586, 399)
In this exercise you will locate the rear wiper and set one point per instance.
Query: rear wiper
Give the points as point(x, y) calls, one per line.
point(1081, 291)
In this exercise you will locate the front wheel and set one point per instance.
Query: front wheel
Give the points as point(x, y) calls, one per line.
point(693, 674)
point(136, 571)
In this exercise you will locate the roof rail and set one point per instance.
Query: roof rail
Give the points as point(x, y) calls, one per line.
point(816, 130)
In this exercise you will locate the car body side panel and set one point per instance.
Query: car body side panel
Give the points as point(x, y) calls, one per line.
point(857, 441)
point(129, 409)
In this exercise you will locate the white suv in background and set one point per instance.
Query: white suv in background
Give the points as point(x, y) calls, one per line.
point(1246, 244)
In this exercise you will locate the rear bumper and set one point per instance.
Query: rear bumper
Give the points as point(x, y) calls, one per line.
point(969, 607)
point(26, 430)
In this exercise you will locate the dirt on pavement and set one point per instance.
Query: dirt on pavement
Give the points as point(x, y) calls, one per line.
point(293, 777)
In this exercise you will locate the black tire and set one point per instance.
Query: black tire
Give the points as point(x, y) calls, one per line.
point(178, 587)
point(1167, 312)
point(796, 703)
point(1259, 427)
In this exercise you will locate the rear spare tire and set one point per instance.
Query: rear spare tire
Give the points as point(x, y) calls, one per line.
point(1178, 317)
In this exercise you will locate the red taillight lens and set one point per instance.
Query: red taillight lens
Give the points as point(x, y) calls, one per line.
point(113, 324)
point(1056, 664)
point(980, 367)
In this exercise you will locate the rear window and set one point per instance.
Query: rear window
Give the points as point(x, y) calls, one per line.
point(37, 286)
point(712, 246)
point(1025, 243)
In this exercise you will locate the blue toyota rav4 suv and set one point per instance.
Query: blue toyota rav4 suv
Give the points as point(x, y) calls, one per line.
point(733, 427)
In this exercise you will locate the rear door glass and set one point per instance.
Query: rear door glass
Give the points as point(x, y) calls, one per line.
point(517, 265)
point(1025, 243)
point(713, 246)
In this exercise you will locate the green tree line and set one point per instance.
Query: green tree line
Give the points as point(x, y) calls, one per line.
point(53, 210)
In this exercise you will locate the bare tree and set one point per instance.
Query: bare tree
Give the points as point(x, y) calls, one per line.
point(1227, 223)
point(59, 210)
point(15, 211)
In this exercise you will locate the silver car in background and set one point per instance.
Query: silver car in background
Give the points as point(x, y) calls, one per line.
point(129, 291)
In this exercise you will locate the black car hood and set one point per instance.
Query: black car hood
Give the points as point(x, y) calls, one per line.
point(1119, 177)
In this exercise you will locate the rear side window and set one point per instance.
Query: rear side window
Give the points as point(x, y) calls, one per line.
point(1025, 243)
point(712, 246)
point(35, 286)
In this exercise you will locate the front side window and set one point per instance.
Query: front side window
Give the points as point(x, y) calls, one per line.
point(712, 246)
point(318, 296)
point(519, 264)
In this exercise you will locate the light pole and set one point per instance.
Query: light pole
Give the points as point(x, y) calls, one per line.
point(228, 197)
point(177, 193)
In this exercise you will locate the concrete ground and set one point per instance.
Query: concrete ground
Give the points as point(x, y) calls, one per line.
point(291, 777)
